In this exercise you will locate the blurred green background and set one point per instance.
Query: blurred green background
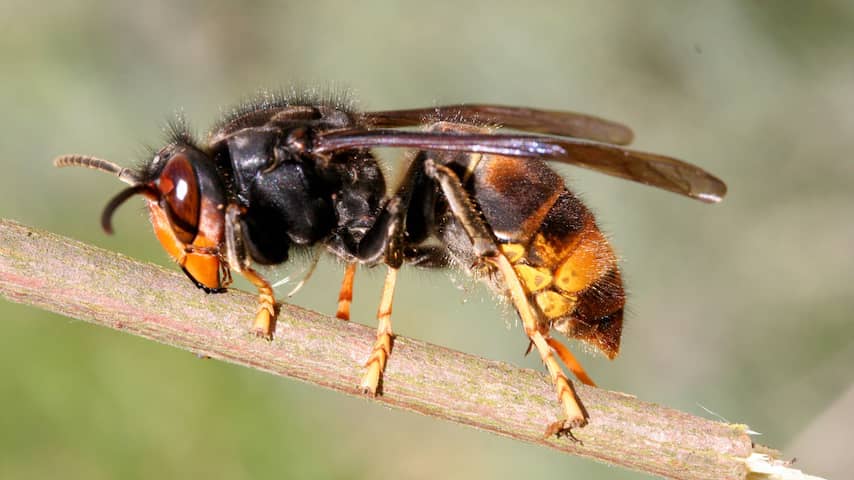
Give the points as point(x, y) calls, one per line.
point(742, 308)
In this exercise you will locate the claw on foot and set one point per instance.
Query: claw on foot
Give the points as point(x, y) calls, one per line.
point(563, 428)
point(382, 345)
point(369, 384)
point(260, 333)
point(367, 391)
point(376, 365)
point(264, 322)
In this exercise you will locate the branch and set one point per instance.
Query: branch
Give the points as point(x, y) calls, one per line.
point(64, 276)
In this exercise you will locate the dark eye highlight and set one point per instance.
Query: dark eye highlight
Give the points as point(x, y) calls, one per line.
point(180, 197)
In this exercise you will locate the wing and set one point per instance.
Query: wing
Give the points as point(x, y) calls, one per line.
point(648, 168)
point(565, 124)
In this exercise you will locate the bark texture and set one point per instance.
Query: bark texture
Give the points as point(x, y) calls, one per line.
point(87, 283)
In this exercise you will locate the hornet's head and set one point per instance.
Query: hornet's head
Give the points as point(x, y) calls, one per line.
point(186, 201)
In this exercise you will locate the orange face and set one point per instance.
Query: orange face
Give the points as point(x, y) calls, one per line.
point(188, 223)
point(204, 267)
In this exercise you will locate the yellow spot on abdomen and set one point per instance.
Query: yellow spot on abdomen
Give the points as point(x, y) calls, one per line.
point(580, 270)
point(534, 279)
point(513, 251)
point(553, 304)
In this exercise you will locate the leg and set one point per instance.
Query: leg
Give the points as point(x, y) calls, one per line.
point(384, 240)
point(569, 360)
point(345, 296)
point(462, 208)
point(265, 319)
point(486, 249)
point(576, 415)
point(382, 346)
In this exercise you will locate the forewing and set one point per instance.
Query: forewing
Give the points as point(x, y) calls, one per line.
point(650, 169)
point(565, 124)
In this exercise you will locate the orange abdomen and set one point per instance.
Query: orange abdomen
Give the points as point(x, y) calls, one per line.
point(560, 255)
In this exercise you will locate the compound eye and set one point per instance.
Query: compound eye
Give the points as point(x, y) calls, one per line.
point(179, 193)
